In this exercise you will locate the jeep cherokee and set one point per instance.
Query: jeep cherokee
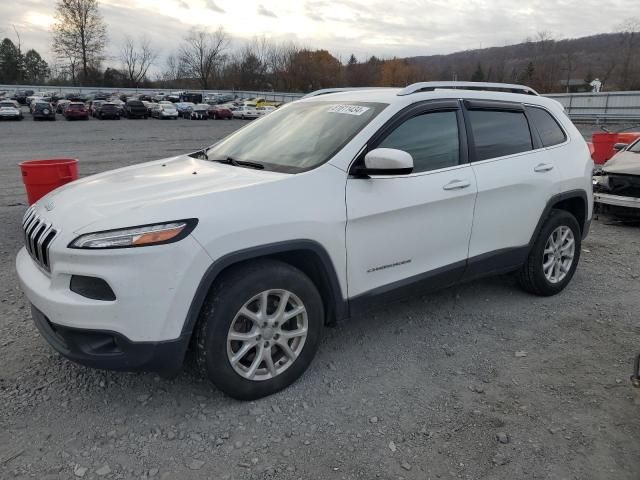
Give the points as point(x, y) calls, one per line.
point(246, 249)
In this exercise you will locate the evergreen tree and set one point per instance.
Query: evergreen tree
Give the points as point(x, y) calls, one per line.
point(478, 75)
point(10, 62)
point(526, 76)
point(36, 70)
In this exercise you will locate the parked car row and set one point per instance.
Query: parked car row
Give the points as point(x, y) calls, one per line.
point(104, 110)
point(104, 106)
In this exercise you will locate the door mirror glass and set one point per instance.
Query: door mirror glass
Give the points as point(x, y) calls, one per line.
point(387, 161)
point(620, 146)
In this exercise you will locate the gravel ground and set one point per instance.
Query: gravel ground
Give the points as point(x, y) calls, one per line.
point(481, 381)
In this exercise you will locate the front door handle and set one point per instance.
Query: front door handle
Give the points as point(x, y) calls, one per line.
point(543, 167)
point(456, 185)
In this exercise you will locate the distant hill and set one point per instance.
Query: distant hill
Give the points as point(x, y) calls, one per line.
point(545, 64)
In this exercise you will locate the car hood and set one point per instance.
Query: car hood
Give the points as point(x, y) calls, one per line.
point(624, 163)
point(161, 190)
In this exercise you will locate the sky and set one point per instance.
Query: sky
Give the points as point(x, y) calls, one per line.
point(364, 27)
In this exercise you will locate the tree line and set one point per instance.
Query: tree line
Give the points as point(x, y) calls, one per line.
point(211, 59)
point(18, 67)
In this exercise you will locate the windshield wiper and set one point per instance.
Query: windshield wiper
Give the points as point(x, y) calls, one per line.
point(239, 163)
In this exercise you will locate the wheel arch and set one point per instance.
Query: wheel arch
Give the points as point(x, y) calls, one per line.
point(307, 255)
point(575, 202)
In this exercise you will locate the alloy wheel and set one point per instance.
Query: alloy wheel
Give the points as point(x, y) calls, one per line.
point(267, 335)
point(557, 257)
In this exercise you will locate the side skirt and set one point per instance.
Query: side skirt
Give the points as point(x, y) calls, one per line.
point(487, 264)
point(409, 287)
point(495, 263)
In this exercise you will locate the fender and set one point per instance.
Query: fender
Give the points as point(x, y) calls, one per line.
point(335, 300)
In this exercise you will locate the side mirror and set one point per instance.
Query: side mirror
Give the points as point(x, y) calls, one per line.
point(620, 146)
point(386, 161)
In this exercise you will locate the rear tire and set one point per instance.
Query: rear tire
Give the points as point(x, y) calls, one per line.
point(266, 325)
point(551, 248)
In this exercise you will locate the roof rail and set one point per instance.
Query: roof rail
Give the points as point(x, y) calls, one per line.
point(496, 87)
point(325, 91)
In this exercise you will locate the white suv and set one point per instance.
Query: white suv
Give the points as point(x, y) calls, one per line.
point(246, 249)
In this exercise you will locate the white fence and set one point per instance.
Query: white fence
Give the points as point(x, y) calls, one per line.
point(602, 106)
point(269, 96)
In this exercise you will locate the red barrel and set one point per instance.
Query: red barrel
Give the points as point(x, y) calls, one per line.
point(603, 146)
point(42, 176)
point(627, 137)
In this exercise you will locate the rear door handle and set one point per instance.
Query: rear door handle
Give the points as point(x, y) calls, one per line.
point(456, 185)
point(543, 167)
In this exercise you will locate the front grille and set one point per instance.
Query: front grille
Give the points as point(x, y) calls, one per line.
point(38, 235)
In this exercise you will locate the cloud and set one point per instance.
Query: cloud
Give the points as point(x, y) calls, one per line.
point(265, 13)
point(311, 9)
point(363, 27)
point(211, 5)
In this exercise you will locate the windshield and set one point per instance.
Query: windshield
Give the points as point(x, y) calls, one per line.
point(297, 137)
point(635, 148)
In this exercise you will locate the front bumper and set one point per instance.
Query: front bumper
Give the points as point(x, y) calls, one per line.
point(153, 287)
point(111, 350)
point(616, 200)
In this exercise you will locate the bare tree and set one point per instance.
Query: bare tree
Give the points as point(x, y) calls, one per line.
point(171, 70)
point(569, 66)
point(629, 48)
point(137, 59)
point(280, 60)
point(202, 53)
point(608, 64)
point(79, 34)
point(20, 72)
point(252, 64)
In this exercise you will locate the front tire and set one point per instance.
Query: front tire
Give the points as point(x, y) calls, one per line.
point(259, 329)
point(554, 257)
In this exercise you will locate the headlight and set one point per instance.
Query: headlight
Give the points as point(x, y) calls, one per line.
point(601, 180)
point(142, 236)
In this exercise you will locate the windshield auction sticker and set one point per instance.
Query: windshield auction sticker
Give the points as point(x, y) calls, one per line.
point(348, 109)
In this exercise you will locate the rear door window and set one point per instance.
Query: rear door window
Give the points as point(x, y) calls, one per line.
point(548, 128)
point(499, 133)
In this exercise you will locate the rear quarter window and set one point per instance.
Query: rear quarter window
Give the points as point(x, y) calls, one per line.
point(499, 133)
point(548, 128)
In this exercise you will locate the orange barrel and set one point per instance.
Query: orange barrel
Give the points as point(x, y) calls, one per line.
point(603, 146)
point(42, 176)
